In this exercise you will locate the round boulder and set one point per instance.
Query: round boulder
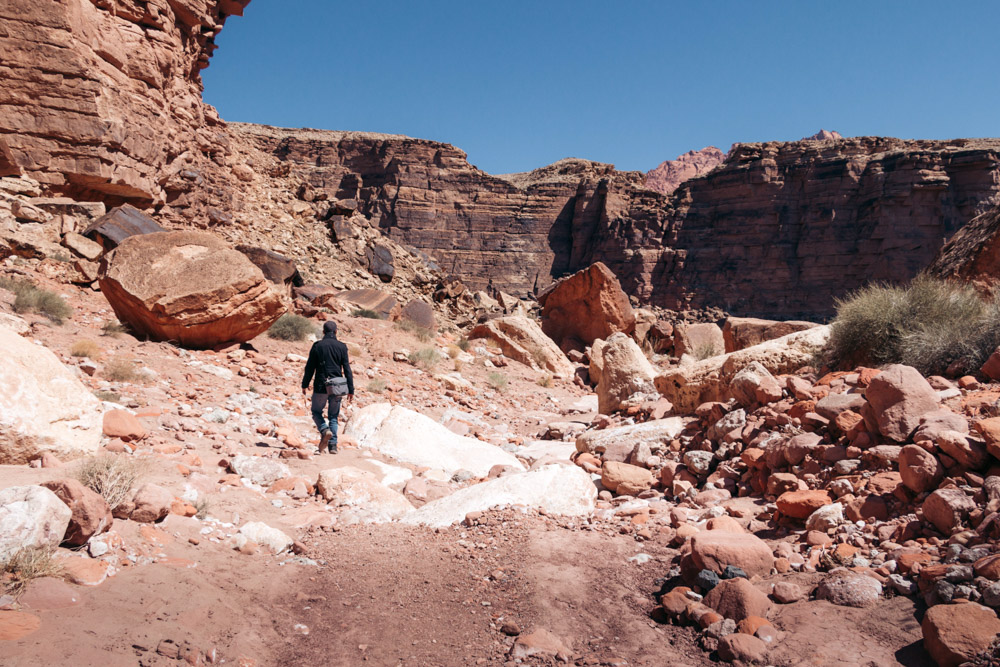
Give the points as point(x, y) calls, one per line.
point(189, 287)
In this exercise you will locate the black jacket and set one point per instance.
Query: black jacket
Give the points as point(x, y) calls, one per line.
point(328, 357)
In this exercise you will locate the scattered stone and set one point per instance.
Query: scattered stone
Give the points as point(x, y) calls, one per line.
point(899, 396)
point(151, 503)
point(849, 589)
point(714, 550)
point(738, 599)
point(626, 479)
point(266, 536)
point(258, 469)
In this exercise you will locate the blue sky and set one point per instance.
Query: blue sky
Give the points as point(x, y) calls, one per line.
point(519, 84)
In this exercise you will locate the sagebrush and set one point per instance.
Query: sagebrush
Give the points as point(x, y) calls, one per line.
point(292, 327)
point(366, 313)
point(113, 476)
point(85, 348)
point(423, 334)
point(28, 298)
point(497, 380)
point(933, 325)
point(426, 358)
point(25, 564)
point(120, 369)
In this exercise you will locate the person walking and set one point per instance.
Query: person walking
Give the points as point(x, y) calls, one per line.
point(329, 364)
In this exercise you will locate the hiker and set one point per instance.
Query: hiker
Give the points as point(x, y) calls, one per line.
point(334, 380)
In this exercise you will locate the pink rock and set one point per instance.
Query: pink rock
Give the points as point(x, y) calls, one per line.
point(91, 513)
point(669, 174)
point(124, 425)
point(899, 396)
point(152, 503)
point(955, 633)
point(737, 599)
point(715, 549)
point(945, 509)
point(920, 470)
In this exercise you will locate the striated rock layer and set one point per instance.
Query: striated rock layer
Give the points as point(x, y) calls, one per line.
point(102, 98)
point(670, 174)
point(778, 230)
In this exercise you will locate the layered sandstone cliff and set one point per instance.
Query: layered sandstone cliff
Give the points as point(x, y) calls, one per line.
point(780, 229)
point(102, 98)
point(973, 253)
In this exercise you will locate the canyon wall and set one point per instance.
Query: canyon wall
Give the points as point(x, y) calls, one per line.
point(779, 229)
point(102, 98)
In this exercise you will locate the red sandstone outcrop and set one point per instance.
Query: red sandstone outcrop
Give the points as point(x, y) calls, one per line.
point(587, 305)
point(973, 253)
point(102, 98)
point(189, 287)
point(671, 173)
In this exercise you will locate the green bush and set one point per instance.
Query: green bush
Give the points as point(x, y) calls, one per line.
point(427, 358)
point(366, 313)
point(28, 298)
point(292, 327)
point(930, 325)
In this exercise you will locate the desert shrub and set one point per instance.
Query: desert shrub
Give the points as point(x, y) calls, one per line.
point(545, 380)
point(30, 299)
point(377, 386)
point(463, 344)
point(26, 564)
point(113, 476)
point(113, 328)
point(930, 325)
point(537, 355)
point(202, 506)
point(366, 313)
point(85, 348)
point(497, 380)
point(120, 369)
point(109, 396)
point(454, 351)
point(423, 334)
point(427, 358)
point(292, 327)
point(706, 351)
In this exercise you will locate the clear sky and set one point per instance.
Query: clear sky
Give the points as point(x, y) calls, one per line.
point(519, 84)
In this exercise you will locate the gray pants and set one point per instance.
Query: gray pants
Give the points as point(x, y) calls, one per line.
point(332, 404)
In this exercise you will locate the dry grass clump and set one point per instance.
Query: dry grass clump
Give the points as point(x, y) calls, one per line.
point(706, 351)
point(423, 334)
point(113, 328)
point(366, 313)
point(545, 380)
point(292, 327)
point(85, 348)
point(120, 369)
point(497, 380)
point(463, 344)
point(113, 476)
point(28, 298)
point(377, 386)
point(931, 325)
point(426, 358)
point(26, 564)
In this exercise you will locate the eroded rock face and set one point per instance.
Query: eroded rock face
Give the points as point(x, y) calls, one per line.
point(189, 287)
point(522, 340)
point(585, 306)
point(128, 123)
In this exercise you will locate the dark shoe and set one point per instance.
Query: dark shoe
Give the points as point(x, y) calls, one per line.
point(333, 449)
point(325, 439)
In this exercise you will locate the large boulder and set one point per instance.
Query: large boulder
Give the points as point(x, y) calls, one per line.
point(625, 372)
point(91, 514)
point(410, 437)
point(899, 397)
point(521, 339)
point(849, 589)
point(945, 509)
point(366, 298)
point(740, 333)
point(31, 516)
point(737, 599)
point(956, 633)
point(587, 305)
point(919, 469)
point(615, 444)
point(43, 406)
point(119, 224)
point(189, 287)
point(701, 340)
point(353, 487)
point(715, 549)
point(626, 479)
point(687, 387)
point(556, 489)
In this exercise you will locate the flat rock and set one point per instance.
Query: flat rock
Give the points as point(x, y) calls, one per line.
point(258, 469)
point(615, 444)
point(849, 589)
point(557, 489)
point(360, 489)
point(410, 437)
point(714, 550)
point(31, 516)
point(521, 339)
point(955, 633)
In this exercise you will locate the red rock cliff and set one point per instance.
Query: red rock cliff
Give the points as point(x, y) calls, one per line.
point(102, 98)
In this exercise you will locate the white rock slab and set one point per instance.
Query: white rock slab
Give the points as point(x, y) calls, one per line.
point(558, 489)
point(410, 437)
